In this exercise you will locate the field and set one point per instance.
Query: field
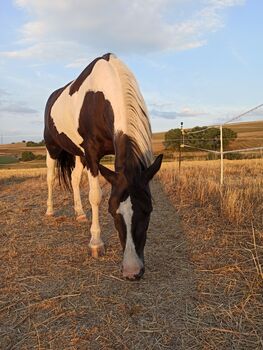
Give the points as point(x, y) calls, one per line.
point(202, 288)
point(54, 296)
point(249, 135)
point(224, 231)
point(10, 154)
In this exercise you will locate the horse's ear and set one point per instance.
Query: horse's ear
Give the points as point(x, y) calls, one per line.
point(109, 175)
point(152, 170)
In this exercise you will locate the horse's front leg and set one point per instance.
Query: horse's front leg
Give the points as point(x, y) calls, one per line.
point(96, 244)
point(75, 181)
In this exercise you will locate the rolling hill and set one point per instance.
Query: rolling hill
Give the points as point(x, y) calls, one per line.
point(249, 135)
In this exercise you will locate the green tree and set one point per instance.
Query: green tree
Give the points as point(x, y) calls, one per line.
point(27, 155)
point(172, 139)
point(35, 144)
point(209, 138)
point(199, 137)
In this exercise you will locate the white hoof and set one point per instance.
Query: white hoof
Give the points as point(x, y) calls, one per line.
point(97, 250)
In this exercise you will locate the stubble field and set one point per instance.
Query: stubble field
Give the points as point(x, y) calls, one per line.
point(224, 230)
point(55, 296)
point(202, 288)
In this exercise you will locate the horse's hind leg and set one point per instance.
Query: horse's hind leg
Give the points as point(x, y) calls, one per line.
point(96, 244)
point(50, 183)
point(75, 181)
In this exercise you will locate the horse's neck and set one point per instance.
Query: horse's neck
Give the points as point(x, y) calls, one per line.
point(126, 155)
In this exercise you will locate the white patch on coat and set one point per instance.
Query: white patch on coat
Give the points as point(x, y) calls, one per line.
point(66, 118)
point(132, 264)
point(66, 109)
point(120, 88)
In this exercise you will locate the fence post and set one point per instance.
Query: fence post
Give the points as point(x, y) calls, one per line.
point(221, 156)
point(181, 140)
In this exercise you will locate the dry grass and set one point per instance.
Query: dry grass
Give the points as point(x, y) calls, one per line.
point(54, 296)
point(12, 175)
point(224, 227)
point(203, 283)
point(239, 201)
point(249, 134)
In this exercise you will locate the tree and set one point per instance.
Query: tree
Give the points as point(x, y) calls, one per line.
point(172, 139)
point(209, 138)
point(228, 136)
point(27, 156)
point(199, 137)
point(35, 144)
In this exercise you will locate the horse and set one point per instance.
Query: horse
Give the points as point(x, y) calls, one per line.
point(99, 113)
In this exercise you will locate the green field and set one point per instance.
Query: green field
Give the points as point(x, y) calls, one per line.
point(8, 160)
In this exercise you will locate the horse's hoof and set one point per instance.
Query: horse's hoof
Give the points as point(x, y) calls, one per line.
point(49, 213)
point(97, 251)
point(82, 218)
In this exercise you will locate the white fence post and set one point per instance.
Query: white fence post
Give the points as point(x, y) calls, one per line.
point(222, 156)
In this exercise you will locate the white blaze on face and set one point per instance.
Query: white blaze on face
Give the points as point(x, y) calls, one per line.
point(132, 264)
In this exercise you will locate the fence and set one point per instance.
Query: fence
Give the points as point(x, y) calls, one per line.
point(221, 152)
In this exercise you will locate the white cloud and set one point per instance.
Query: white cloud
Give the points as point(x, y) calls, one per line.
point(11, 107)
point(77, 28)
point(18, 119)
point(166, 112)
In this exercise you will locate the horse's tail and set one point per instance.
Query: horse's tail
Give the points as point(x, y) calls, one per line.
point(65, 165)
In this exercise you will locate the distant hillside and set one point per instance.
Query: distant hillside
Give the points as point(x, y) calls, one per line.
point(157, 141)
point(15, 149)
point(249, 134)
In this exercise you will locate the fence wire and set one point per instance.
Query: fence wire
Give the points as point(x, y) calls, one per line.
point(228, 124)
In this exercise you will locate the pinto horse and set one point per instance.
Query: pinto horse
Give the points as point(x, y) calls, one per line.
point(103, 112)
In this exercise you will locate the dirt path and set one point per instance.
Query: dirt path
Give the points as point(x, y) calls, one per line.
point(54, 296)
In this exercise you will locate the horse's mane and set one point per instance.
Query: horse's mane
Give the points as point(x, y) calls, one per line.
point(138, 126)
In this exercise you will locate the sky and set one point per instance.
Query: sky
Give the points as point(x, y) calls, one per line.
point(199, 62)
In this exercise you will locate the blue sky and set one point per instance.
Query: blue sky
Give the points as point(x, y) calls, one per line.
point(197, 61)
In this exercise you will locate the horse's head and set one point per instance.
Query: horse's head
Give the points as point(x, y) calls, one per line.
point(130, 204)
